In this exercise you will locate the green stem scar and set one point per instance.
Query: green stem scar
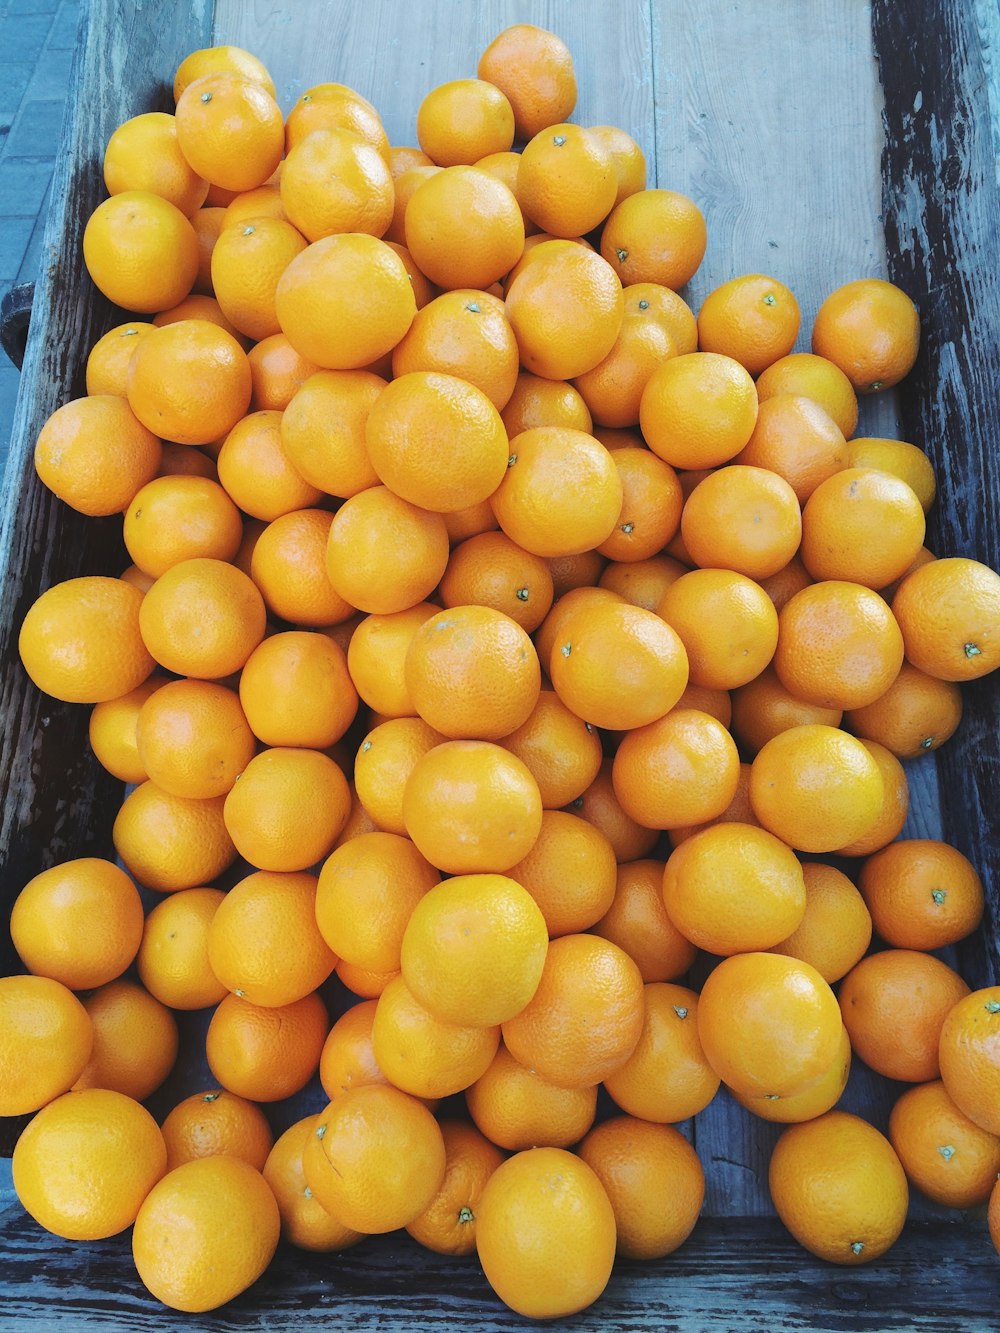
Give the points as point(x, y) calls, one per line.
point(474, 307)
point(992, 1006)
point(972, 651)
point(939, 895)
point(644, 304)
point(947, 1151)
point(206, 97)
point(627, 528)
point(521, 594)
point(769, 299)
point(211, 1096)
point(249, 230)
point(927, 742)
point(512, 460)
point(622, 255)
point(857, 1246)
point(465, 1214)
point(366, 746)
point(680, 1010)
point(566, 649)
point(559, 140)
point(321, 1131)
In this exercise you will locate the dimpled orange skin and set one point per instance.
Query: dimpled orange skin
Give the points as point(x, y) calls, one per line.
point(516, 1108)
point(141, 251)
point(943, 1153)
point(839, 1188)
point(820, 1096)
point(970, 1057)
point(191, 383)
point(423, 1055)
point(863, 526)
point(922, 893)
point(46, 1038)
point(358, 196)
point(230, 129)
point(702, 428)
point(384, 554)
point(73, 461)
point(871, 330)
point(680, 770)
point(192, 597)
point(949, 612)
point(305, 1223)
point(266, 1055)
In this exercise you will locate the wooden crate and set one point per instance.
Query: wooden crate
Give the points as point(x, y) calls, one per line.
point(824, 141)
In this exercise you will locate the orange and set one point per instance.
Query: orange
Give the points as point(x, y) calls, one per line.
point(207, 222)
point(585, 1018)
point(323, 430)
point(642, 582)
point(287, 809)
point(230, 129)
point(348, 1060)
point(669, 309)
point(667, 1078)
point(754, 319)
point(202, 618)
point(463, 228)
point(112, 730)
point(742, 518)
point(474, 949)
point(288, 565)
point(916, 713)
point(277, 372)
point(566, 309)
point(546, 1233)
point(448, 1224)
point(171, 842)
point(472, 673)
point(534, 69)
point(143, 154)
point(871, 330)
point(797, 439)
point(575, 571)
point(738, 811)
point(108, 359)
point(651, 506)
point(383, 764)
point(189, 382)
point(839, 645)
point(768, 1024)
point(332, 182)
point(181, 460)
point(895, 804)
point(803, 374)
point(262, 202)
point(561, 751)
point(45, 1041)
point(436, 441)
point(462, 333)
point(618, 666)
point(544, 402)
point(422, 1054)
point(781, 587)
point(214, 1124)
point(894, 1004)
point(80, 640)
point(221, 59)
point(816, 788)
point(263, 1054)
point(384, 553)
point(95, 454)
point(345, 301)
point(173, 956)
point(194, 741)
point(946, 1155)
point(570, 873)
point(304, 1222)
point(637, 921)
point(247, 261)
point(403, 157)
point(516, 1108)
point(376, 1159)
point(655, 236)
point(899, 459)
point(368, 889)
point(613, 388)
point(627, 157)
point(821, 1095)
point(200, 307)
point(716, 703)
point(404, 187)
point(79, 922)
point(948, 611)
point(84, 1164)
point(698, 410)
point(504, 166)
point(205, 1233)
point(970, 1056)
point(177, 518)
point(258, 474)
point(863, 526)
point(839, 1188)
point(561, 493)
point(327, 106)
point(472, 807)
point(491, 570)
point(376, 656)
point(727, 624)
point(836, 930)
point(141, 251)
point(763, 708)
point(922, 894)
point(681, 769)
point(566, 180)
point(733, 888)
point(600, 806)
point(654, 1180)
point(135, 1041)
point(461, 121)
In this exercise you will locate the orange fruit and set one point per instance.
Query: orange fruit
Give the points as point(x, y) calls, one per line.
point(194, 741)
point(894, 1004)
point(816, 788)
point(45, 1041)
point(277, 372)
point(821, 1095)
point(143, 154)
point(135, 1041)
point(333, 181)
point(768, 1024)
point(327, 106)
point(207, 222)
point(839, 1188)
point(783, 586)
point(627, 157)
point(171, 842)
point(566, 309)
point(376, 656)
point(79, 922)
point(803, 374)
point(948, 612)
point(345, 301)
point(189, 382)
point(140, 251)
point(726, 911)
point(561, 751)
point(534, 69)
point(323, 430)
point(112, 730)
point(404, 187)
point(669, 309)
point(182, 460)
point(287, 809)
point(863, 526)
point(836, 930)
point(216, 1124)
point(894, 809)
point(348, 1059)
point(871, 330)
point(305, 1223)
point(265, 1055)
point(698, 410)
point(839, 645)
point(613, 388)
point(422, 1054)
point(465, 334)
point(655, 236)
point(230, 129)
point(543, 402)
point(205, 1233)
point(200, 307)
point(383, 764)
point(916, 713)
point(262, 202)
point(566, 180)
point(797, 439)
point(667, 1078)
point(376, 1159)
point(384, 553)
point(742, 518)
point(754, 319)
point(969, 1054)
point(173, 956)
point(257, 473)
point(561, 493)
point(296, 691)
point(288, 565)
point(637, 921)
point(681, 769)
point(738, 811)
point(922, 894)
point(600, 806)
point(368, 889)
point(84, 1164)
point(654, 1180)
point(716, 703)
point(221, 59)
point(95, 454)
point(491, 570)
point(177, 518)
point(202, 618)
point(899, 459)
point(585, 1017)
point(569, 872)
point(108, 359)
point(946, 1155)
point(516, 1108)
point(474, 948)
point(575, 571)
point(247, 261)
point(463, 228)
point(403, 157)
point(651, 506)
point(461, 121)
point(448, 1224)
point(472, 807)
point(642, 582)
point(763, 708)
point(80, 640)
point(546, 1233)
point(504, 166)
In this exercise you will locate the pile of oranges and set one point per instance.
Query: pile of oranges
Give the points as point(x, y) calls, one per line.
point(515, 632)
